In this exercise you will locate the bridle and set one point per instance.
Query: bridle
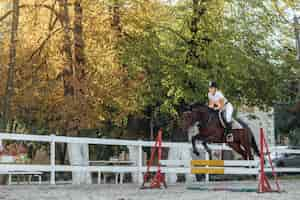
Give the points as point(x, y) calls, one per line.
point(203, 123)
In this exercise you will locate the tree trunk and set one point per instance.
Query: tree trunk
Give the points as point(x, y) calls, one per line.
point(79, 42)
point(79, 156)
point(68, 71)
point(78, 153)
point(117, 30)
point(134, 156)
point(116, 18)
point(152, 127)
point(297, 38)
point(11, 66)
point(199, 9)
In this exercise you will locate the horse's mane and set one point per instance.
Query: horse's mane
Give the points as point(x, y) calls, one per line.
point(198, 104)
point(201, 105)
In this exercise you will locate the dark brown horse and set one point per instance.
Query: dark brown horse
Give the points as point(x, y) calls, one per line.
point(212, 131)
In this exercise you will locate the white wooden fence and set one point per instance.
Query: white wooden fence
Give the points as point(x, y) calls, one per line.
point(139, 168)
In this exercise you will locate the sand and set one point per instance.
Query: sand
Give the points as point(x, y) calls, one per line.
point(132, 192)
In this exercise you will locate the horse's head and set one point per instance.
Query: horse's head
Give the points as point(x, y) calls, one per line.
point(187, 120)
point(198, 113)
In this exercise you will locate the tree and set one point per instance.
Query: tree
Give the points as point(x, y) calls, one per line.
point(87, 64)
point(11, 65)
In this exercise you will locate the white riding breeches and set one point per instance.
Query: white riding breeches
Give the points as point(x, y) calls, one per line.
point(228, 108)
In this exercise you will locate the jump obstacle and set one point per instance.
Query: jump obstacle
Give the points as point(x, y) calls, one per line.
point(158, 179)
point(249, 167)
point(238, 167)
point(224, 167)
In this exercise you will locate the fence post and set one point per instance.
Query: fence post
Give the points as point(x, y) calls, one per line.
point(140, 164)
point(52, 159)
point(206, 158)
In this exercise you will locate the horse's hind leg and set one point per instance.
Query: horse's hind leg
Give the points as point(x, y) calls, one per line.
point(246, 144)
point(237, 147)
point(208, 150)
point(248, 151)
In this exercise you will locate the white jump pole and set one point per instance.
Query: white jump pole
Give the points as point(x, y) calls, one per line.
point(206, 158)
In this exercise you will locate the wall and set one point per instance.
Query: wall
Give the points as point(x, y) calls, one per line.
point(256, 119)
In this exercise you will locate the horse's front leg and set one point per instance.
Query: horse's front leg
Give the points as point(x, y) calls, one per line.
point(208, 150)
point(195, 151)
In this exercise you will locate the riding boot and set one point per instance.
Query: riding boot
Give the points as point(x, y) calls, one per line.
point(228, 128)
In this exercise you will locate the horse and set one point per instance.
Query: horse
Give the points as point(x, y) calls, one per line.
point(210, 130)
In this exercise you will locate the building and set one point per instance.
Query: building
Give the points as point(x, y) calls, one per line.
point(256, 119)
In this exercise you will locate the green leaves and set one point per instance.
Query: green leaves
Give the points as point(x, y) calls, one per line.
point(235, 43)
point(165, 55)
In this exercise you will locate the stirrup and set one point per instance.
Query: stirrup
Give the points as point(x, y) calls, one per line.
point(229, 137)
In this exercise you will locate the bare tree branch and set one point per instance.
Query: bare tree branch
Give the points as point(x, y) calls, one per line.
point(52, 9)
point(40, 48)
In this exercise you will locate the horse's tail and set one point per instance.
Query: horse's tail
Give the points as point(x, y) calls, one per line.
point(254, 145)
point(253, 142)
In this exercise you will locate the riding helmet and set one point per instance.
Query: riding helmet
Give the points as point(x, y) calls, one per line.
point(213, 84)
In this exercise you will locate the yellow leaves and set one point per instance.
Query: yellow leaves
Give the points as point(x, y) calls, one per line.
point(39, 88)
point(139, 15)
point(290, 3)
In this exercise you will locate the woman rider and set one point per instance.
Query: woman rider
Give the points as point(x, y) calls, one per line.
point(217, 101)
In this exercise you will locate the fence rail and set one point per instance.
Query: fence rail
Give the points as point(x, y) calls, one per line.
point(138, 168)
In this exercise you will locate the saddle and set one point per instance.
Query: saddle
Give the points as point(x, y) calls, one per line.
point(235, 125)
point(222, 118)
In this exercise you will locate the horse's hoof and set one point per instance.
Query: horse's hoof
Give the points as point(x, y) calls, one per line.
point(196, 153)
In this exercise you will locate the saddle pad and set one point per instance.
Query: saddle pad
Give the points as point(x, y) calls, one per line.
point(235, 123)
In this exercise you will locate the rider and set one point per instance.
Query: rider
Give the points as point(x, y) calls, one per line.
point(217, 101)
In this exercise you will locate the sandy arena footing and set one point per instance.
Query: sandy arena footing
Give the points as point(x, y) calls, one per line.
point(132, 192)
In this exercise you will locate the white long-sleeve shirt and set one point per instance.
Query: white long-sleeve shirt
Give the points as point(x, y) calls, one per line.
point(217, 97)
